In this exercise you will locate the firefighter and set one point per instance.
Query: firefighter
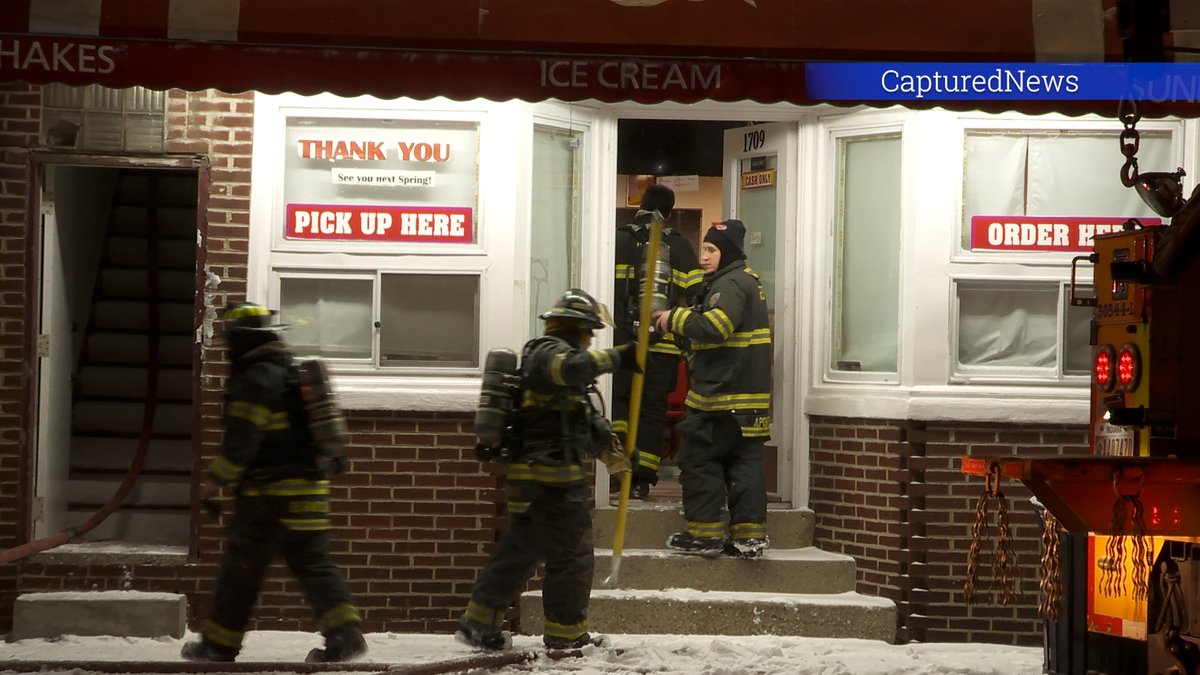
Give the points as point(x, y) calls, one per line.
point(728, 417)
point(281, 502)
point(549, 501)
point(662, 364)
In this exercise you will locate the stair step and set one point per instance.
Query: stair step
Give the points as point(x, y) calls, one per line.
point(130, 382)
point(166, 187)
point(135, 283)
point(170, 221)
point(115, 416)
point(131, 349)
point(171, 492)
point(648, 524)
point(173, 315)
point(135, 251)
point(117, 453)
point(144, 527)
point(679, 611)
point(802, 570)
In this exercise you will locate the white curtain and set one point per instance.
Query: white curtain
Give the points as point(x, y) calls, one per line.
point(330, 318)
point(1007, 325)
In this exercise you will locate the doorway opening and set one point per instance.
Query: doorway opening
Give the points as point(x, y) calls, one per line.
point(118, 366)
point(689, 156)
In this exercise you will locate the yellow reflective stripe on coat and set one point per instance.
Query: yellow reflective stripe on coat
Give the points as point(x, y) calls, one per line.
point(666, 345)
point(306, 524)
point(625, 271)
point(258, 415)
point(291, 487)
point(741, 340)
point(720, 320)
point(224, 470)
point(540, 473)
point(686, 280)
point(729, 401)
point(278, 422)
point(603, 360)
point(245, 311)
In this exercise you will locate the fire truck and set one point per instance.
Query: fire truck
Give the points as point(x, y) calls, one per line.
point(1133, 503)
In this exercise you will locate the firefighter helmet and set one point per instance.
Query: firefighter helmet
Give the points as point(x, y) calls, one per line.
point(577, 305)
point(250, 317)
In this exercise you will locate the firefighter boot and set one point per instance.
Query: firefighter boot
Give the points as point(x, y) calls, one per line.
point(342, 644)
point(203, 650)
point(479, 636)
point(553, 642)
point(747, 548)
point(683, 542)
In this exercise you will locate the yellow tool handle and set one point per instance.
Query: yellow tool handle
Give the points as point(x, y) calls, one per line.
point(635, 392)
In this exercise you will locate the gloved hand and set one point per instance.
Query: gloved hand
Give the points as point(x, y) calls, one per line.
point(627, 353)
point(614, 458)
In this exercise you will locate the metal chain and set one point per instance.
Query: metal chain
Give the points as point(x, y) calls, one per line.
point(1130, 115)
point(978, 530)
point(1050, 587)
point(1142, 550)
point(1004, 561)
point(1112, 582)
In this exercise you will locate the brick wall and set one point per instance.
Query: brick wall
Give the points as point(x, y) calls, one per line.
point(414, 517)
point(19, 123)
point(891, 494)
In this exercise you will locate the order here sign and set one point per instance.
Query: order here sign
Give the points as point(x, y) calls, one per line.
point(1042, 233)
point(424, 224)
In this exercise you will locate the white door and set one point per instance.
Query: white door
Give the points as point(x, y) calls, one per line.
point(759, 189)
point(55, 352)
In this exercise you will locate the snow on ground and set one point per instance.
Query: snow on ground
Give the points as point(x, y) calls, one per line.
point(660, 654)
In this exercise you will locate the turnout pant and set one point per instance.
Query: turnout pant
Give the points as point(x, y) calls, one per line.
point(717, 465)
point(555, 527)
point(662, 371)
point(261, 527)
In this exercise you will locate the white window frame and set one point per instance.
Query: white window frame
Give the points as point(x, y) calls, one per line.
point(492, 256)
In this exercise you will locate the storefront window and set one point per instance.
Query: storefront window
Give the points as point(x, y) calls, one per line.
point(1014, 328)
point(1061, 174)
point(429, 320)
point(867, 255)
point(380, 182)
point(555, 228)
point(331, 318)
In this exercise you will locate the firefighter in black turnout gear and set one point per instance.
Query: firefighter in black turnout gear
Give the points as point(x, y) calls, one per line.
point(662, 362)
point(549, 502)
point(282, 498)
point(728, 419)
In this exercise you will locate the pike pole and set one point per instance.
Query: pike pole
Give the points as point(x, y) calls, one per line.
point(635, 392)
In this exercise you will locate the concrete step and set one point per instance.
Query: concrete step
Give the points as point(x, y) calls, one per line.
point(648, 524)
point(681, 611)
point(801, 570)
point(119, 613)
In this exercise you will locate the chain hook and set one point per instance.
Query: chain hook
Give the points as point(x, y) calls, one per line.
point(1130, 141)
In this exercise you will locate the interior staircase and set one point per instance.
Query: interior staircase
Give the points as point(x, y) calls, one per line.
point(151, 231)
point(796, 589)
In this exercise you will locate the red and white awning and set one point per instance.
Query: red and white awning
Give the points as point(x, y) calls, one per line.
point(610, 50)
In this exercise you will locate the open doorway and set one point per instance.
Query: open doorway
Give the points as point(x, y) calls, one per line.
point(118, 277)
point(689, 156)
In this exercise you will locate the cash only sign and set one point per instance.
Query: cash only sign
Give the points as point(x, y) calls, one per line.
point(354, 182)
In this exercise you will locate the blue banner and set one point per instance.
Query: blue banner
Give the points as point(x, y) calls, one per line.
point(895, 81)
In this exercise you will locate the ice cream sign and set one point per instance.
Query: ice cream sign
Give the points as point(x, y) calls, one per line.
point(427, 224)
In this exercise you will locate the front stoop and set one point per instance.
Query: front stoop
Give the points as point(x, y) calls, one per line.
point(684, 611)
point(120, 613)
point(796, 589)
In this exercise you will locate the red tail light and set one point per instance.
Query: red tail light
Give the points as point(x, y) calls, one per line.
point(1129, 367)
point(1102, 369)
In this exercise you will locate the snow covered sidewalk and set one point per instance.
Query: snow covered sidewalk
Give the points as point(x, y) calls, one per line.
point(666, 654)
